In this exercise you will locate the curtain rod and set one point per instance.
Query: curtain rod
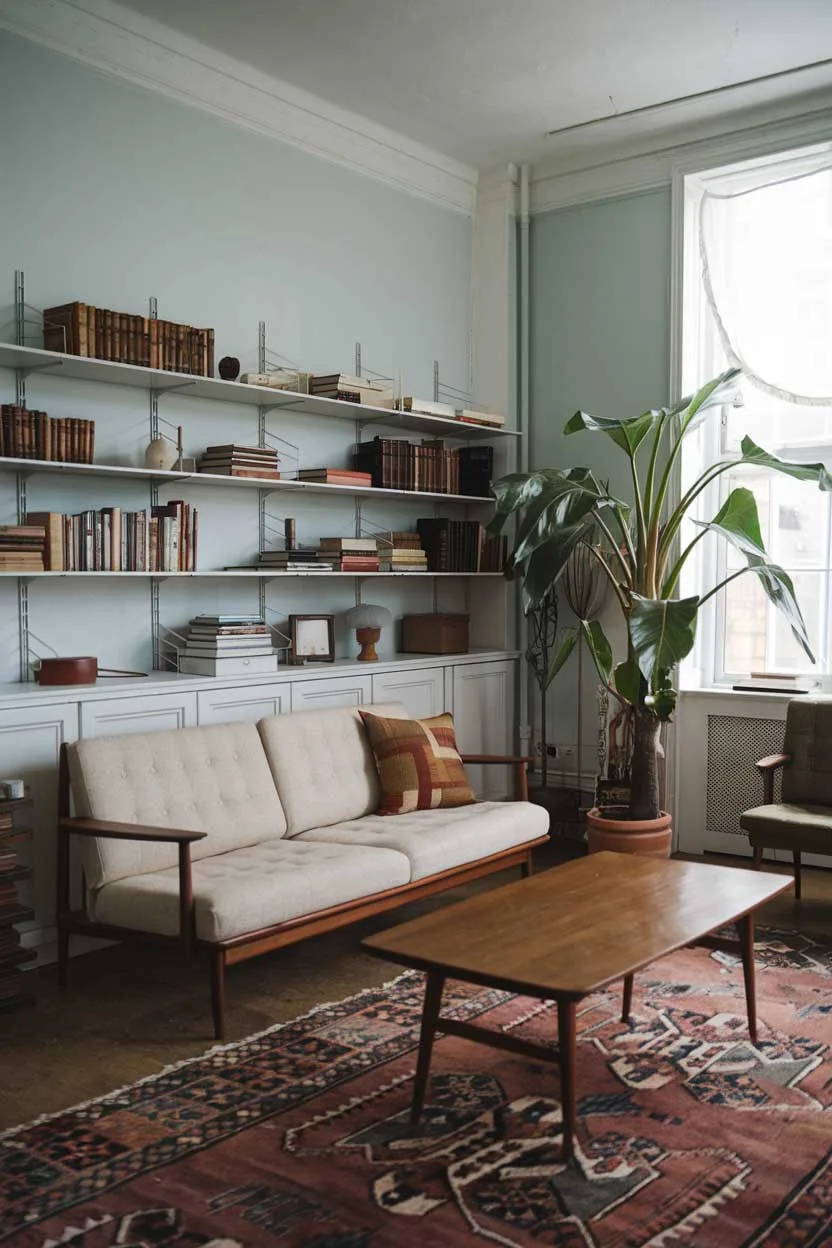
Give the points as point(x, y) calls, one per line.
point(684, 99)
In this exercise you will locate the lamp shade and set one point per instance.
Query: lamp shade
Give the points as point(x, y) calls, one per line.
point(368, 615)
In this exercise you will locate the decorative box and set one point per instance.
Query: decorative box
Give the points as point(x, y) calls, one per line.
point(438, 633)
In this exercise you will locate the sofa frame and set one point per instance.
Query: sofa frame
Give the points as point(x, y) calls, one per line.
point(250, 945)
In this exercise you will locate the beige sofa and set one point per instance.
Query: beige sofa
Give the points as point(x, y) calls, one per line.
point(243, 837)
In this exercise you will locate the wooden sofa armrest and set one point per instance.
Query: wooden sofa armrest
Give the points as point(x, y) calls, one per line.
point(518, 761)
point(134, 832)
point(767, 767)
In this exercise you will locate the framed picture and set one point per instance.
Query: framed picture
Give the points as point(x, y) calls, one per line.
point(313, 638)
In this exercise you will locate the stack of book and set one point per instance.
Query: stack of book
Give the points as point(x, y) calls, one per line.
point(28, 434)
point(474, 416)
point(21, 547)
point(349, 554)
point(396, 464)
point(12, 909)
point(298, 560)
point(335, 476)
point(240, 461)
point(112, 540)
point(351, 389)
point(402, 552)
point(461, 546)
point(81, 329)
point(227, 645)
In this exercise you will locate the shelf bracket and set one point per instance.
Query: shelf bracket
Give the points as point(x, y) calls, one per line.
point(23, 628)
point(20, 481)
point(155, 625)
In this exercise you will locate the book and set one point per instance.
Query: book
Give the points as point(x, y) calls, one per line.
point(53, 548)
point(336, 476)
point(348, 543)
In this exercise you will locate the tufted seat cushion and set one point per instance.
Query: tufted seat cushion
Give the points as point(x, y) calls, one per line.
point(243, 891)
point(323, 765)
point(785, 825)
point(214, 779)
point(437, 840)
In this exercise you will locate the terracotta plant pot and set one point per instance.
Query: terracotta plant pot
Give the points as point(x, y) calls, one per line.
point(613, 830)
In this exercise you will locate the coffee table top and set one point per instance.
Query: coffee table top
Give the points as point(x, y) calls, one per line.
point(579, 926)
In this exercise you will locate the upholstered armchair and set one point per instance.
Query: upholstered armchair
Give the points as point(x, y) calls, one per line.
point(802, 820)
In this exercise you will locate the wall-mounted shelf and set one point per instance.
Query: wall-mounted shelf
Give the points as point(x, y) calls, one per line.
point(29, 360)
point(161, 477)
point(222, 575)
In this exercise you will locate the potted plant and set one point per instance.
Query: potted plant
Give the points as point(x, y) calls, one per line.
point(641, 549)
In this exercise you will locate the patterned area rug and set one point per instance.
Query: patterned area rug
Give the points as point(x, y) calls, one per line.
point(688, 1134)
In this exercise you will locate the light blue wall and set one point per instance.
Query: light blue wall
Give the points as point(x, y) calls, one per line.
point(112, 194)
point(600, 316)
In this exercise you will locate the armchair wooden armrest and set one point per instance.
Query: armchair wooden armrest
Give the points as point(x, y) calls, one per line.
point(114, 830)
point(767, 767)
point(518, 761)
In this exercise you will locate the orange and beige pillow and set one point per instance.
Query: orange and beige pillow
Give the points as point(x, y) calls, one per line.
point(419, 767)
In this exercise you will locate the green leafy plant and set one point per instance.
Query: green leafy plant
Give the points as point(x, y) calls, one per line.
point(640, 547)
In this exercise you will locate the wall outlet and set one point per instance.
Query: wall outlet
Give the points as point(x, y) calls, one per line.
point(552, 751)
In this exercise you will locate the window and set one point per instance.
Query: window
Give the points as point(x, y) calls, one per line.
point(757, 293)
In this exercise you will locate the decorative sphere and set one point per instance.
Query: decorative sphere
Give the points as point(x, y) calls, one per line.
point(160, 453)
point(229, 368)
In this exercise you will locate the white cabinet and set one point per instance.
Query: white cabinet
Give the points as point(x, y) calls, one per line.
point(110, 717)
point(226, 706)
point(30, 744)
point(483, 702)
point(421, 691)
point(313, 695)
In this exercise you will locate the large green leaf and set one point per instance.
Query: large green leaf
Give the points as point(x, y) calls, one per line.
point(738, 521)
point(754, 454)
point(662, 633)
point(779, 588)
point(628, 434)
point(715, 393)
point(541, 567)
point(627, 681)
point(567, 644)
point(599, 647)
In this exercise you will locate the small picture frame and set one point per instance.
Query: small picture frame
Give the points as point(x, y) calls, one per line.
point(313, 638)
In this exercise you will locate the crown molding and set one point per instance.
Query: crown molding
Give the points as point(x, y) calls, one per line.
point(627, 172)
point(103, 34)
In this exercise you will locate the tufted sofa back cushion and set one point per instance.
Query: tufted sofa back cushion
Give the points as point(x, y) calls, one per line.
point(323, 765)
point(808, 777)
point(214, 779)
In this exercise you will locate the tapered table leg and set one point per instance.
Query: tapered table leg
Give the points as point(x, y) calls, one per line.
point(430, 1017)
point(627, 1000)
point(745, 932)
point(567, 1050)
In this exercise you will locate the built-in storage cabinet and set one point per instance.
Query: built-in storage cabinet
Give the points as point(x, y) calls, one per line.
point(483, 705)
point(227, 706)
point(421, 691)
point(114, 717)
point(329, 691)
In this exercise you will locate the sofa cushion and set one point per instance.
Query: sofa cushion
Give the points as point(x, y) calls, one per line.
point(437, 840)
point(214, 779)
point(322, 765)
point(418, 764)
point(785, 825)
point(253, 888)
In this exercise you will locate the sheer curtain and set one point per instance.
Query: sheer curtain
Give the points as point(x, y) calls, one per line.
point(765, 240)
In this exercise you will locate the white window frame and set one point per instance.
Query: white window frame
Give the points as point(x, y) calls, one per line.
point(705, 667)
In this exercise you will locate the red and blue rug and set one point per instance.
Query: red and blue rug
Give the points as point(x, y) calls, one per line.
point(688, 1134)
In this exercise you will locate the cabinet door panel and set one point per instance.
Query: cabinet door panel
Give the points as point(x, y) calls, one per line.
point(226, 706)
point(421, 692)
point(30, 743)
point(114, 717)
point(313, 695)
point(484, 716)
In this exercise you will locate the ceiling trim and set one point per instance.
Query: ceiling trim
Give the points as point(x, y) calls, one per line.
point(112, 38)
point(612, 175)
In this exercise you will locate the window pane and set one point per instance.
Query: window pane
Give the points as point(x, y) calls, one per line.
point(787, 654)
point(749, 644)
point(745, 626)
point(784, 428)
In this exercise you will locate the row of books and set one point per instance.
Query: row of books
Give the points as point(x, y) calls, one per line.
point(81, 329)
point(461, 546)
point(111, 540)
point(240, 461)
point(401, 552)
point(21, 547)
point(429, 466)
point(26, 434)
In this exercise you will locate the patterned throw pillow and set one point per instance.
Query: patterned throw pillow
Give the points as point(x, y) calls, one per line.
point(418, 764)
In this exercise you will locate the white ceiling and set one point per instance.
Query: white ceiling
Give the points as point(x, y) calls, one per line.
point(484, 80)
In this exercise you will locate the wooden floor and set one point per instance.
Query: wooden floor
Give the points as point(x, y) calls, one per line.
point(129, 1012)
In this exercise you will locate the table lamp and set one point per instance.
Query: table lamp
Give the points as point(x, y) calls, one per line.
point(368, 619)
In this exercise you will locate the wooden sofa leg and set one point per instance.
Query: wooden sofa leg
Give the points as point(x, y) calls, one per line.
point(527, 866)
point(797, 880)
point(218, 992)
point(758, 857)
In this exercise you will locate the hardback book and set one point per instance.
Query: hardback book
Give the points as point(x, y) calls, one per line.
point(335, 476)
point(281, 379)
point(349, 543)
point(53, 549)
point(475, 417)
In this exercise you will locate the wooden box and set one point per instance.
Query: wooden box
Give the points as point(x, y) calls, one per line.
point(439, 633)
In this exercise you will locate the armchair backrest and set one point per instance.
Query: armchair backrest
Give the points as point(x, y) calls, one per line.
point(807, 779)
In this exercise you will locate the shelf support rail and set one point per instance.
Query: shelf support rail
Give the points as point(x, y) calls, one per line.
point(23, 628)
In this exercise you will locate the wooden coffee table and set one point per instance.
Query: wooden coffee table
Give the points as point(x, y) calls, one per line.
point(566, 933)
